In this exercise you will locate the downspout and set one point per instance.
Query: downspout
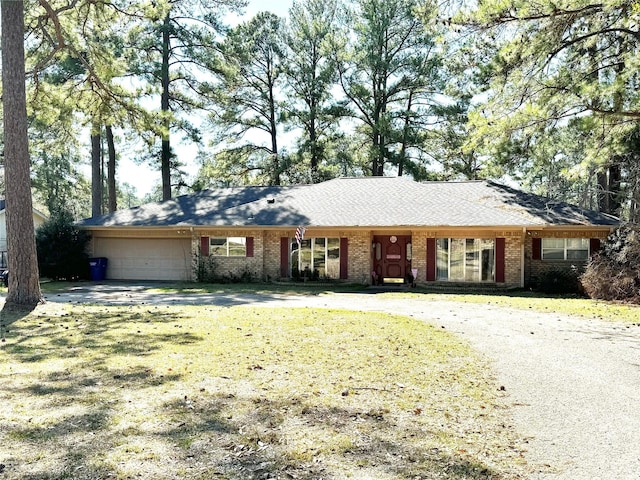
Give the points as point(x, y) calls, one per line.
point(522, 258)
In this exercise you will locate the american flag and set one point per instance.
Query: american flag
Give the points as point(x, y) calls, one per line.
point(300, 234)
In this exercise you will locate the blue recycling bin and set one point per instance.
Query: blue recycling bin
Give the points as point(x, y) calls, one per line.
point(98, 268)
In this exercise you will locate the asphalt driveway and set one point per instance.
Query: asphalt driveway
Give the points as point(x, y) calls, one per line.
point(573, 383)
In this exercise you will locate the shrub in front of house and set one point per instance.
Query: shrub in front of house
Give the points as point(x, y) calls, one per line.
point(207, 271)
point(614, 273)
point(62, 248)
point(560, 281)
point(205, 268)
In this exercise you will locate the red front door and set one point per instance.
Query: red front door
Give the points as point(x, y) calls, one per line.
point(390, 262)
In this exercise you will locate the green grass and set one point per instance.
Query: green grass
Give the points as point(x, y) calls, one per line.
point(169, 392)
point(567, 305)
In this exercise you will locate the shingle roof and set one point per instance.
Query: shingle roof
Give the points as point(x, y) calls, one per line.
point(353, 202)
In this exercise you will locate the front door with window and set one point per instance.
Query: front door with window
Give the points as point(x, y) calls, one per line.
point(391, 258)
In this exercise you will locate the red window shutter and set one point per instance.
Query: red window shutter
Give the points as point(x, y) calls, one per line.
point(500, 260)
point(431, 259)
point(284, 257)
point(537, 248)
point(344, 258)
point(594, 245)
point(204, 246)
point(249, 246)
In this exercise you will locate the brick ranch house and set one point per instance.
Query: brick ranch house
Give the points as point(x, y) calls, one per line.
point(364, 230)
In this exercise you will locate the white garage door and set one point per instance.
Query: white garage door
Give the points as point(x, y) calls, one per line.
point(145, 259)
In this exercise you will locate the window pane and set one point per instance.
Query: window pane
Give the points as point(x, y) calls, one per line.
point(456, 259)
point(577, 248)
point(472, 260)
point(237, 246)
point(319, 255)
point(294, 256)
point(553, 243)
point(305, 254)
point(577, 254)
point(333, 258)
point(553, 248)
point(577, 244)
point(218, 247)
point(553, 254)
point(442, 259)
point(488, 259)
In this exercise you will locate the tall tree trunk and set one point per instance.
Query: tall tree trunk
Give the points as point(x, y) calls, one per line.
point(24, 285)
point(634, 207)
point(603, 191)
point(613, 192)
point(166, 146)
point(111, 170)
point(382, 145)
point(610, 187)
point(313, 144)
point(313, 116)
point(375, 140)
point(405, 135)
point(96, 171)
point(275, 175)
point(615, 185)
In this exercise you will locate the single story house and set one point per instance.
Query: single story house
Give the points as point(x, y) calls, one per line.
point(38, 219)
point(365, 230)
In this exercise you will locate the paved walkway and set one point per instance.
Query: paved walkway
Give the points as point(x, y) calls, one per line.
point(574, 383)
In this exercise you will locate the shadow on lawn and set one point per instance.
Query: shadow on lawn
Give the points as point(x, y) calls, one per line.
point(67, 426)
point(10, 314)
point(257, 446)
point(80, 422)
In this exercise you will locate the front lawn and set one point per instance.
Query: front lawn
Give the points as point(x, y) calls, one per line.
point(167, 392)
point(565, 305)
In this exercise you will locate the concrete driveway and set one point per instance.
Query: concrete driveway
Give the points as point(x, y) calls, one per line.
point(573, 383)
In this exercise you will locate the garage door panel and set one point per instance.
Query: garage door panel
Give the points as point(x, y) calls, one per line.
point(145, 259)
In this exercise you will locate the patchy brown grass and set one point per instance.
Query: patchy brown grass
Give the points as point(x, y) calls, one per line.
point(92, 392)
point(566, 305)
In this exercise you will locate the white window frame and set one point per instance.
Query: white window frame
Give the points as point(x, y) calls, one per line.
point(567, 248)
point(464, 260)
point(310, 246)
point(228, 251)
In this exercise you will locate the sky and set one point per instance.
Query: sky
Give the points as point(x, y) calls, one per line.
point(142, 177)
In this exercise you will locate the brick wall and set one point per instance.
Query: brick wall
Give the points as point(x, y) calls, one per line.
point(419, 256)
point(265, 264)
point(536, 269)
point(360, 264)
point(271, 259)
point(513, 261)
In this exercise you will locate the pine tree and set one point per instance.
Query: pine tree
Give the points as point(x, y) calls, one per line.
point(24, 286)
